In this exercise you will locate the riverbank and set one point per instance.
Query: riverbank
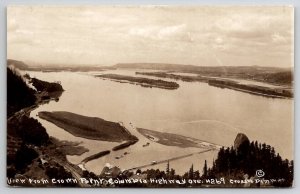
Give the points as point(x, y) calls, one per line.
point(144, 82)
point(88, 127)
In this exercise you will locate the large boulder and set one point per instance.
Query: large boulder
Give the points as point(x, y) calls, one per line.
point(241, 139)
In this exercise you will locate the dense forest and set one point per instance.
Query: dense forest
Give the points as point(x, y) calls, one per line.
point(19, 95)
point(247, 158)
point(46, 86)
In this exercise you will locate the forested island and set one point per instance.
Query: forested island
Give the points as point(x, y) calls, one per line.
point(169, 75)
point(274, 92)
point(252, 89)
point(144, 82)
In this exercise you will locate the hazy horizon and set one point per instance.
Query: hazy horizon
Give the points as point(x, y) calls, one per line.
point(193, 35)
point(36, 65)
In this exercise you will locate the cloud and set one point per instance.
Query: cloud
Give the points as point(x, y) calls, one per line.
point(253, 33)
point(113, 34)
point(219, 40)
point(24, 32)
point(277, 38)
point(174, 32)
point(171, 30)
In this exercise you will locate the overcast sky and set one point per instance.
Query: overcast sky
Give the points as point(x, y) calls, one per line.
point(107, 35)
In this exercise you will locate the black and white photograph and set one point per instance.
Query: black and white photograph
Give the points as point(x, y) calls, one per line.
point(150, 96)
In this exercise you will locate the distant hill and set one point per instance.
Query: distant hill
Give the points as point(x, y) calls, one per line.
point(199, 69)
point(284, 77)
point(55, 67)
point(17, 64)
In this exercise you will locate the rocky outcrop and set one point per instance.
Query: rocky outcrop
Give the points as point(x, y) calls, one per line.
point(241, 139)
point(110, 171)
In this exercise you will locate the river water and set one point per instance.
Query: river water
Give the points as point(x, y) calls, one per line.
point(194, 109)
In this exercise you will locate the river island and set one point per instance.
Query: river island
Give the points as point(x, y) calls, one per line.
point(88, 127)
point(144, 82)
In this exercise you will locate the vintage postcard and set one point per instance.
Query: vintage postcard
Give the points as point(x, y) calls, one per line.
point(150, 96)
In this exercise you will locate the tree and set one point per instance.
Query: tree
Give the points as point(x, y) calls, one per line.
point(24, 157)
point(247, 159)
point(30, 130)
point(172, 174)
point(205, 169)
point(138, 171)
point(168, 169)
point(196, 174)
point(191, 172)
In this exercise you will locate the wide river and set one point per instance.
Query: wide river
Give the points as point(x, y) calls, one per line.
point(194, 109)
